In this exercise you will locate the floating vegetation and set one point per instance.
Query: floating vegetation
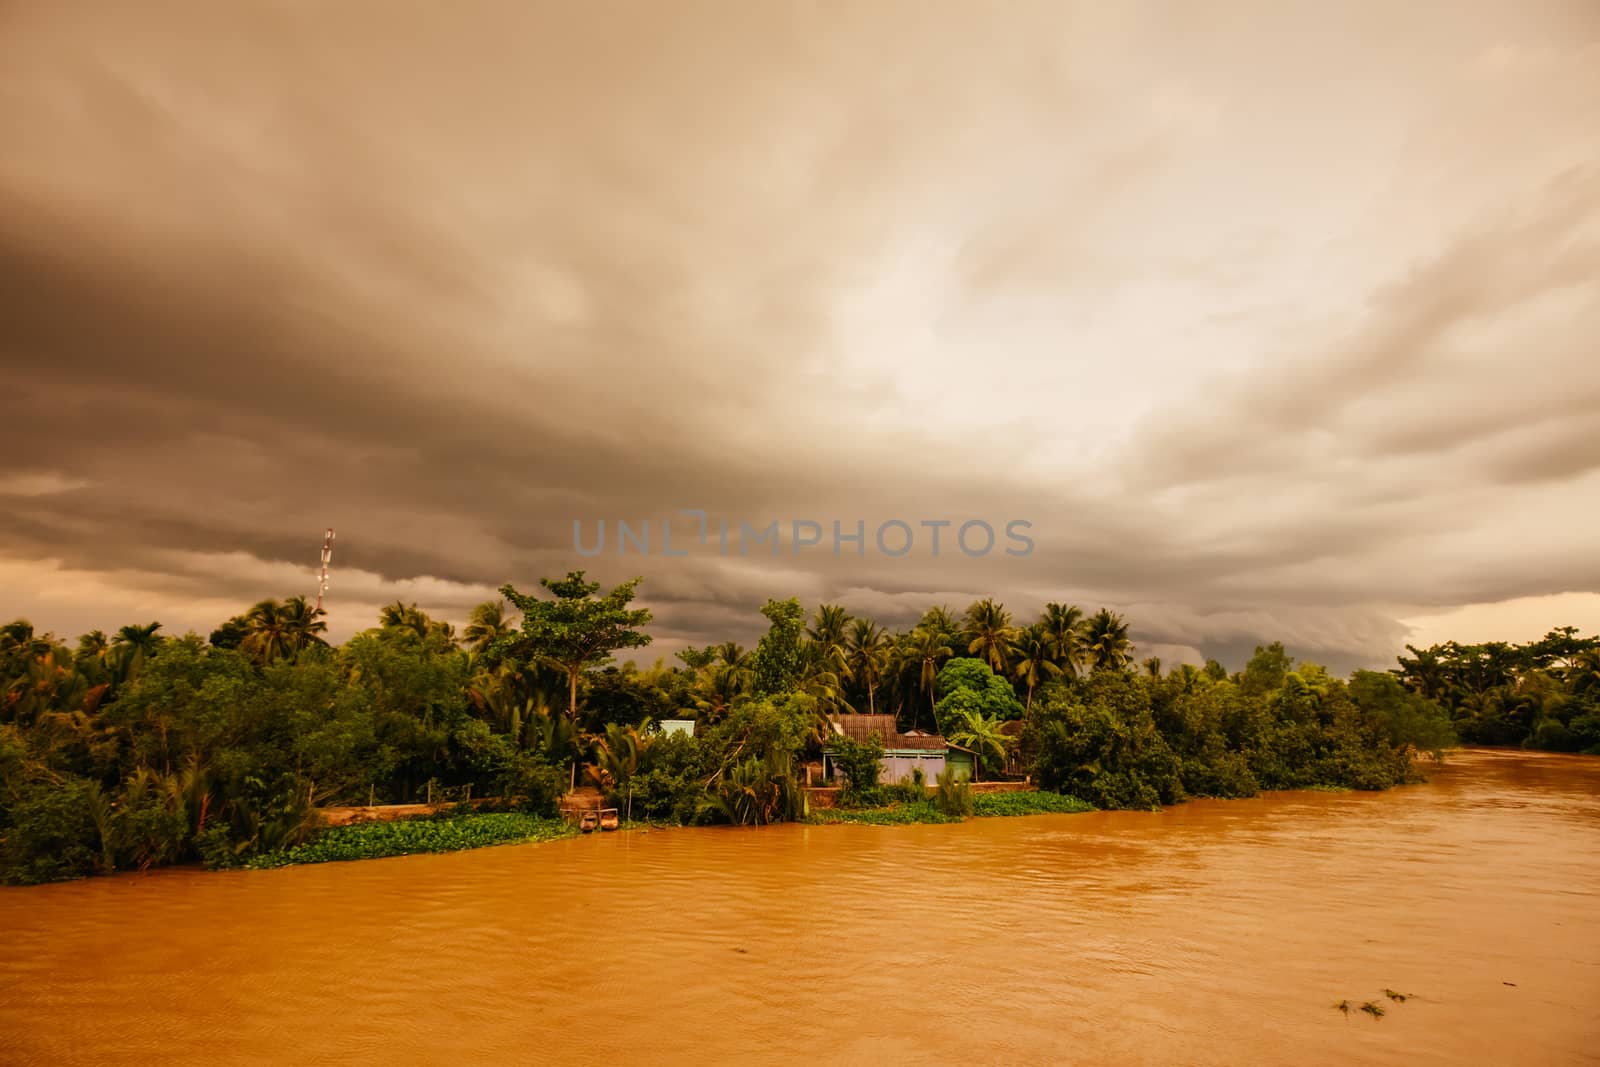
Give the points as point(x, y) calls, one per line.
point(1373, 1009)
point(1399, 998)
point(1344, 1006)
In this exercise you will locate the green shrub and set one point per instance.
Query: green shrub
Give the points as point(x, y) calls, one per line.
point(1030, 802)
point(403, 838)
point(55, 833)
point(861, 762)
point(953, 798)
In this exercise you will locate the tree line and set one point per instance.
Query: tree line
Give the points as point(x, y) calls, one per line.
point(144, 749)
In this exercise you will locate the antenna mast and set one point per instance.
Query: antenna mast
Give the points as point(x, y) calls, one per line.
point(322, 576)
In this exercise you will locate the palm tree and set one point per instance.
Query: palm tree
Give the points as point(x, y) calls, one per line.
point(819, 677)
point(981, 734)
point(1036, 661)
point(828, 632)
point(134, 645)
point(941, 621)
point(1189, 677)
point(929, 649)
point(398, 616)
point(866, 655)
point(277, 631)
point(1152, 667)
point(489, 621)
point(990, 633)
point(1064, 625)
point(1105, 641)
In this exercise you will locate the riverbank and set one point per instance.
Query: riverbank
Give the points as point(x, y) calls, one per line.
point(434, 831)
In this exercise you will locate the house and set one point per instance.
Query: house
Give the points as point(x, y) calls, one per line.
point(903, 753)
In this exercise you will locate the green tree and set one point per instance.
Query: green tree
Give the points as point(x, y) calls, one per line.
point(989, 633)
point(866, 656)
point(777, 659)
point(489, 623)
point(1036, 659)
point(981, 734)
point(1105, 641)
point(575, 631)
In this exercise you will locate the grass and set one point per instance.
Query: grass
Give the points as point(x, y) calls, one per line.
point(984, 805)
point(373, 840)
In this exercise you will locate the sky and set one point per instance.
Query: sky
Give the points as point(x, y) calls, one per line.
point(1276, 321)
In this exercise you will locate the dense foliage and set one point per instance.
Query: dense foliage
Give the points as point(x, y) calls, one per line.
point(1542, 695)
point(142, 749)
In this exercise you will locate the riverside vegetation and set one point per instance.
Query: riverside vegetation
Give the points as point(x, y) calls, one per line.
point(142, 749)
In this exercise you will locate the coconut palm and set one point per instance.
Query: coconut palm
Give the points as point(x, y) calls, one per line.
point(928, 650)
point(281, 631)
point(818, 677)
point(490, 620)
point(1063, 623)
point(399, 616)
point(1036, 660)
point(1152, 667)
point(981, 734)
point(989, 633)
point(133, 645)
point(941, 620)
point(866, 656)
point(829, 630)
point(1105, 641)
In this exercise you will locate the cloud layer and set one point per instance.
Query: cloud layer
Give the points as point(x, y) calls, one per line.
point(1272, 327)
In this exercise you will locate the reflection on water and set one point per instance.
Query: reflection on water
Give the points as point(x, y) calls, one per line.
point(1215, 932)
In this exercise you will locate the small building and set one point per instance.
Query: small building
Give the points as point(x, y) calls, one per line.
point(678, 726)
point(903, 753)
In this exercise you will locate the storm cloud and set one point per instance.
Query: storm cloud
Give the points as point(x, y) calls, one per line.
point(1275, 323)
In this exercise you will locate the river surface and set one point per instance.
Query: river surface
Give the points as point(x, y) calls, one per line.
point(1216, 932)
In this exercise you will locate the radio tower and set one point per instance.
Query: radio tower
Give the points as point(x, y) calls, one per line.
point(322, 576)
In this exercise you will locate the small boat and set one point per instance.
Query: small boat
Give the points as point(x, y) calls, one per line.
point(608, 818)
point(587, 821)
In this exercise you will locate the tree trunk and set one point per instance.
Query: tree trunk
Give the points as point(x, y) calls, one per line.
point(572, 713)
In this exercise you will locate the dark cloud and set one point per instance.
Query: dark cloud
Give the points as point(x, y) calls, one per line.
point(451, 286)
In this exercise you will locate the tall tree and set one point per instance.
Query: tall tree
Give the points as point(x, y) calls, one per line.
point(489, 623)
point(929, 649)
point(828, 631)
point(134, 645)
point(577, 630)
point(1063, 623)
point(1036, 659)
point(277, 631)
point(1106, 642)
point(866, 655)
point(989, 633)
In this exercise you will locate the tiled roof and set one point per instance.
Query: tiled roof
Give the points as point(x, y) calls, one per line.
point(860, 727)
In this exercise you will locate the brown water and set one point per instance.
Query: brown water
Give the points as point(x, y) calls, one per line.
point(1216, 932)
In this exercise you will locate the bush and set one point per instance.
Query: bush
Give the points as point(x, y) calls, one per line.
point(55, 833)
point(860, 761)
point(953, 798)
point(1027, 803)
point(403, 838)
